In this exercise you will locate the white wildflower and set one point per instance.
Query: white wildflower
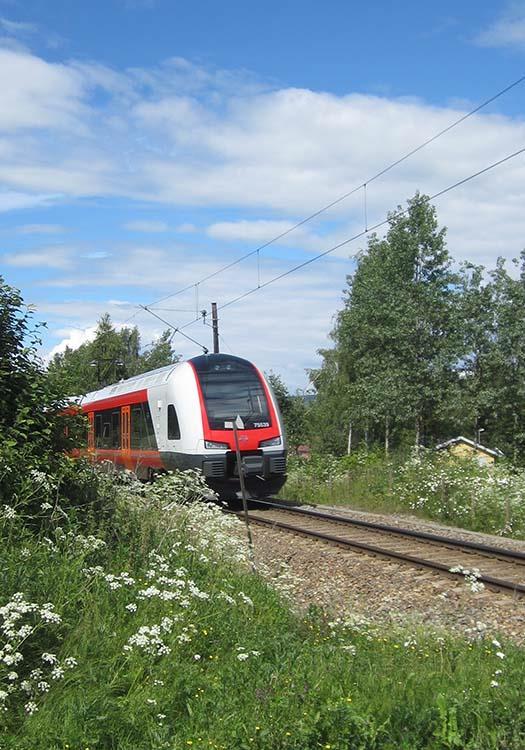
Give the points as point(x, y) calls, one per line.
point(245, 599)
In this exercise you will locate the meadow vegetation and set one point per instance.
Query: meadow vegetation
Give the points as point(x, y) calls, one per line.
point(145, 629)
point(437, 486)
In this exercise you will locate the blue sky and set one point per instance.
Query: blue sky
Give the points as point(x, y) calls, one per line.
point(145, 143)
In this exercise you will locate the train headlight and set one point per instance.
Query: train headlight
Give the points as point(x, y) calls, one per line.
point(271, 441)
point(212, 445)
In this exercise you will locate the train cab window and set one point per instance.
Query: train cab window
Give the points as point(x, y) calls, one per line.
point(142, 431)
point(232, 387)
point(173, 424)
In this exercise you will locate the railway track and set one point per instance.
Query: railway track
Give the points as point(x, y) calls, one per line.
point(499, 569)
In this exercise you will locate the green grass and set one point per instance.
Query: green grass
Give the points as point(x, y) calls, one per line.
point(436, 487)
point(309, 684)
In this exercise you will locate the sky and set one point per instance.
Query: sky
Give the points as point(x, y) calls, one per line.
point(147, 144)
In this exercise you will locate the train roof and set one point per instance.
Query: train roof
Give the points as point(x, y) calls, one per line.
point(158, 377)
point(136, 383)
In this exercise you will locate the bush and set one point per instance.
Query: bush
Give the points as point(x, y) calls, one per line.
point(432, 485)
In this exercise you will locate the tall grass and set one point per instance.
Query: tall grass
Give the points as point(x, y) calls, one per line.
point(456, 491)
point(150, 632)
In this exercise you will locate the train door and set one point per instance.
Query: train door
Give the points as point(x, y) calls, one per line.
point(91, 431)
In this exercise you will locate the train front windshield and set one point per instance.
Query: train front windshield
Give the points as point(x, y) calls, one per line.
point(232, 388)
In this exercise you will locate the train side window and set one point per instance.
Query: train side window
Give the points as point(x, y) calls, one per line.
point(98, 430)
point(173, 424)
point(150, 438)
point(115, 429)
point(107, 429)
point(105, 441)
point(136, 427)
point(142, 430)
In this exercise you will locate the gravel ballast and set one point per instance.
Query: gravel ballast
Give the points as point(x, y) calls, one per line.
point(344, 582)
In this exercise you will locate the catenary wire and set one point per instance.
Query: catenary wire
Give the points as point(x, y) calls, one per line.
point(371, 229)
point(401, 212)
point(176, 330)
point(346, 195)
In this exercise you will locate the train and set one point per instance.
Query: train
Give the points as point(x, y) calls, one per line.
point(180, 417)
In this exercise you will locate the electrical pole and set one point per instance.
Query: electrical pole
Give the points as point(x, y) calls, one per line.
point(215, 325)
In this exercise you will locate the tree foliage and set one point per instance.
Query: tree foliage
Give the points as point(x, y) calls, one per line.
point(293, 409)
point(30, 405)
point(111, 356)
point(422, 349)
point(35, 426)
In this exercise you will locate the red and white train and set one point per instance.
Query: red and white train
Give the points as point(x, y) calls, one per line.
point(174, 418)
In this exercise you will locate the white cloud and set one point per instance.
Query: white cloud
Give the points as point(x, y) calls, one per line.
point(73, 338)
point(506, 31)
point(186, 228)
point(50, 257)
point(17, 27)
point(146, 226)
point(262, 231)
point(11, 200)
point(254, 231)
point(38, 94)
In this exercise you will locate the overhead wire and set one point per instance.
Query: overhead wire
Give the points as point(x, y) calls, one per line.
point(366, 231)
point(363, 233)
point(176, 329)
point(361, 186)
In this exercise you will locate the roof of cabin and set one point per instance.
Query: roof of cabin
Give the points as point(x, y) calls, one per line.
point(477, 446)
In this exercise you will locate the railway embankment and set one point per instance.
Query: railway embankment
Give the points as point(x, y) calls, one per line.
point(357, 583)
point(147, 628)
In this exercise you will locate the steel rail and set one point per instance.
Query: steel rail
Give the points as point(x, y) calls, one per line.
point(490, 581)
point(501, 552)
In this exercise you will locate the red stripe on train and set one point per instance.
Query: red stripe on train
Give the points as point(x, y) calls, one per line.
point(124, 399)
